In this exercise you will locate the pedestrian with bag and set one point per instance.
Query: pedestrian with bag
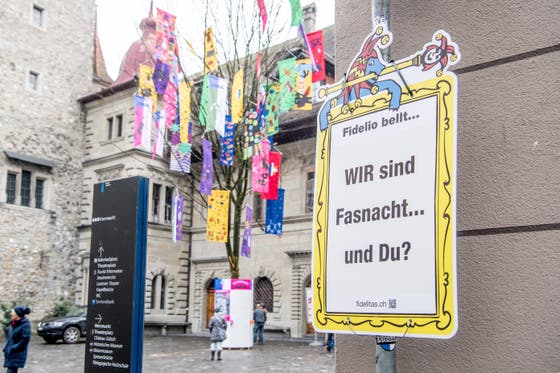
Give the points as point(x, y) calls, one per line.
point(17, 340)
point(218, 327)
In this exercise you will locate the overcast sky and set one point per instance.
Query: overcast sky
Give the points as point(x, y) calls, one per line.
point(118, 20)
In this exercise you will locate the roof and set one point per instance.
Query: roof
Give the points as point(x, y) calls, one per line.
point(99, 69)
point(29, 159)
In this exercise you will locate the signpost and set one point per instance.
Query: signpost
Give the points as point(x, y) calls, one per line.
point(384, 242)
point(117, 276)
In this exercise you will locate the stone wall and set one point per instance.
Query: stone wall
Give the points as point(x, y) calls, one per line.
point(38, 245)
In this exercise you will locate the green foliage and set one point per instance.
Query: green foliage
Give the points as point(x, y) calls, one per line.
point(61, 308)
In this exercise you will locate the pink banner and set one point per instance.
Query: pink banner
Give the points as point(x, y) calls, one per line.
point(263, 13)
point(261, 168)
point(275, 160)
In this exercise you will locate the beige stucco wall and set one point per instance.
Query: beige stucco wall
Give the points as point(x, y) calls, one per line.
point(507, 186)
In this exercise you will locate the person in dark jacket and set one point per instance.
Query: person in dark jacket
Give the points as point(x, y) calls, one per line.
point(259, 318)
point(17, 340)
point(218, 327)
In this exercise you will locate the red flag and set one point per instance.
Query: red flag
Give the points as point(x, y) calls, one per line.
point(263, 13)
point(274, 158)
point(316, 43)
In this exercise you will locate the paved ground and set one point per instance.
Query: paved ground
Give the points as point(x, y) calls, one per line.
point(174, 354)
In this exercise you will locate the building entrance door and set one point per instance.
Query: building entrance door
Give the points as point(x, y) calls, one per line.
point(309, 326)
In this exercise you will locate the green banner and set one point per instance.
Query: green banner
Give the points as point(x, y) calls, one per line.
point(287, 73)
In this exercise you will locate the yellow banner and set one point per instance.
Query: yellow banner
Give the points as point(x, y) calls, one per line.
point(185, 110)
point(303, 85)
point(237, 97)
point(146, 84)
point(218, 216)
point(210, 61)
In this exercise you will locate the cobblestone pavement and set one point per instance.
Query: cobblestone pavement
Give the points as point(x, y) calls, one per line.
point(174, 354)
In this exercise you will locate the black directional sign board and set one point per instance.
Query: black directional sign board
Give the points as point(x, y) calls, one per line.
point(117, 276)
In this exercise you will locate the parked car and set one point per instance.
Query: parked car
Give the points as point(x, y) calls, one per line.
point(69, 328)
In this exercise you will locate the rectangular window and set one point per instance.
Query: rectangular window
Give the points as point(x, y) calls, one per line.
point(38, 16)
point(168, 204)
point(39, 187)
point(156, 190)
point(25, 188)
point(11, 188)
point(119, 120)
point(109, 128)
point(258, 208)
point(33, 80)
point(309, 192)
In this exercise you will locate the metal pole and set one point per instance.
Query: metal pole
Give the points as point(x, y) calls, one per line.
point(385, 358)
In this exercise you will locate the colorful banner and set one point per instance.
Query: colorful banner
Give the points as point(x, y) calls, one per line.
point(165, 37)
point(316, 43)
point(261, 168)
point(185, 110)
point(146, 84)
point(218, 88)
point(275, 214)
point(170, 107)
point(258, 66)
point(286, 69)
point(204, 101)
point(251, 129)
point(180, 159)
point(218, 216)
point(210, 61)
point(263, 13)
point(247, 233)
point(142, 121)
point(308, 46)
point(179, 217)
point(159, 135)
point(303, 85)
point(207, 173)
point(161, 76)
point(272, 108)
point(297, 14)
point(227, 143)
point(237, 97)
point(275, 160)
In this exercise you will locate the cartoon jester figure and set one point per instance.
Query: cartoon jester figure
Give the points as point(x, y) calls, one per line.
point(367, 63)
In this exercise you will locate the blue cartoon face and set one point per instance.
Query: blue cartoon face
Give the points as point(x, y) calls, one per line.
point(374, 66)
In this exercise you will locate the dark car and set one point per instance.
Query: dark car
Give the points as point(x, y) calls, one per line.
point(69, 328)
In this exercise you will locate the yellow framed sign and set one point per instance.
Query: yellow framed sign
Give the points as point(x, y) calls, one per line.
point(384, 219)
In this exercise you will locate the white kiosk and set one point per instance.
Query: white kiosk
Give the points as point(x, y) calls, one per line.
point(234, 298)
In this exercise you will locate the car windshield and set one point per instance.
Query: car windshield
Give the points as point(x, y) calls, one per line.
point(77, 312)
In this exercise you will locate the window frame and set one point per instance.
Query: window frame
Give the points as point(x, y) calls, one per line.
point(8, 189)
point(309, 191)
point(41, 11)
point(32, 85)
point(25, 188)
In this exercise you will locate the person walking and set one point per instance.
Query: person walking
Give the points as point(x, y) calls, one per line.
point(259, 318)
point(218, 327)
point(17, 340)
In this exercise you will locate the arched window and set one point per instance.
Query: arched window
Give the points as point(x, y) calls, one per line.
point(264, 293)
point(159, 291)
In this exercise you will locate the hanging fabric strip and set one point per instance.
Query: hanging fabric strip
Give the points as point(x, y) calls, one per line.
point(146, 84)
point(227, 143)
point(207, 173)
point(180, 159)
point(247, 233)
point(263, 13)
point(275, 160)
point(286, 69)
point(179, 218)
point(261, 168)
point(297, 14)
point(258, 66)
point(219, 91)
point(161, 76)
point(275, 214)
point(303, 85)
point(165, 36)
point(272, 108)
point(138, 118)
point(170, 106)
point(185, 110)
point(159, 133)
point(218, 216)
point(237, 97)
point(308, 46)
point(204, 99)
point(318, 51)
point(251, 127)
point(210, 61)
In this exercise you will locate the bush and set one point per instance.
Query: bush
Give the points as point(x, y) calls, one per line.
point(61, 308)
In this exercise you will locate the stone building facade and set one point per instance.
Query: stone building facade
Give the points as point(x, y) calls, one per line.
point(508, 210)
point(46, 50)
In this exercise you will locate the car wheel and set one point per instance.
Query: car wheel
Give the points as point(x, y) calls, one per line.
point(49, 340)
point(71, 335)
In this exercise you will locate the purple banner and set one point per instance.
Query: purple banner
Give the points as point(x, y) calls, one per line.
point(207, 174)
point(179, 218)
point(161, 76)
point(275, 214)
point(246, 243)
